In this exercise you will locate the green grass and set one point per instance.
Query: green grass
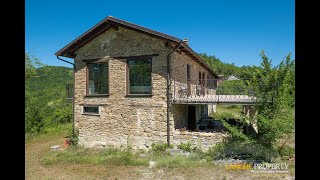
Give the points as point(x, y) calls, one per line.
point(110, 163)
point(49, 132)
point(117, 157)
point(122, 157)
point(236, 110)
point(180, 161)
point(109, 156)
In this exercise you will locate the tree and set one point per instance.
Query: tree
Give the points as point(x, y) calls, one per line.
point(274, 88)
point(31, 64)
point(226, 69)
point(33, 118)
point(233, 87)
point(45, 96)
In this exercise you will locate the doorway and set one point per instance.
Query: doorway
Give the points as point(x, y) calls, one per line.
point(192, 118)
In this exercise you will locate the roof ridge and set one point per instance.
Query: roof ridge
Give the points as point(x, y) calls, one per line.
point(68, 50)
point(120, 21)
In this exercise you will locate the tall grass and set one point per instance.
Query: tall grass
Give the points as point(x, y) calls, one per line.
point(108, 156)
point(180, 161)
point(236, 110)
point(50, 132)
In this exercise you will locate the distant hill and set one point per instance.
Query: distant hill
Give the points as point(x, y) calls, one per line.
point(226, 69)
point(48, 85)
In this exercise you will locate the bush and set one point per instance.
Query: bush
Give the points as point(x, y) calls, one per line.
point(73, 138)
point(286, 151)
point(160, 147)
point(241, 150)
point(185, 146)
point(216, 151)
point(237, 87)
point(60, 116)
point(33, 117)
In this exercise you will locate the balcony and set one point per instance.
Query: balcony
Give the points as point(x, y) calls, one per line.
point(207, 92)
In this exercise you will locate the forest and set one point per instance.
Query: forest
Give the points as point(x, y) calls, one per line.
point(45, 95)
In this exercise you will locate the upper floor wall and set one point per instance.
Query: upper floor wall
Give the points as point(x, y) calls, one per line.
point(189, 76)
point(122, 44)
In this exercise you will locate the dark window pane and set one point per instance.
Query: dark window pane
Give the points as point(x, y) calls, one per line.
point(140, 76)
point(203, 80)
point(93, 110)
point(98, 79)
point(188, 72)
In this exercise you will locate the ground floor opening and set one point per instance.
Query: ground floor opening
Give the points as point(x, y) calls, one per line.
point(195, 118)
point(200, 117)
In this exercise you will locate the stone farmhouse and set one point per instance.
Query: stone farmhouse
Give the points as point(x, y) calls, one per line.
point(126, 82)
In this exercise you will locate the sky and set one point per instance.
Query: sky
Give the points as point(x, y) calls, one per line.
point(235, 31)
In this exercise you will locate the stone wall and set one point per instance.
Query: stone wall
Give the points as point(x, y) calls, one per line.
point(179, 68)
point(179, 64)
point(203, 140)
point(123, 120)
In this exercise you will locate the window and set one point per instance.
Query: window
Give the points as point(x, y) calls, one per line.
point(210, 81)
point(188, 79)
point(188, 72)
point(90, 109)
point(139, 76)
point(97, 78)
point(203, 79)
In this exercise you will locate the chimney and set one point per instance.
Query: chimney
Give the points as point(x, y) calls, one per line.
point(185, 40)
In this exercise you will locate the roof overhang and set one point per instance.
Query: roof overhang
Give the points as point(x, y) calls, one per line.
point(113, 23)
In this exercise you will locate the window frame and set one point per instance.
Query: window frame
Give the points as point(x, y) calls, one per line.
point(203, 83)
point(188, 72)
point(137, 58)
point(87, 81)
point(88, 113)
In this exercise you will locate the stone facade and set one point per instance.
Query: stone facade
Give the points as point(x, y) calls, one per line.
point(178, 66)
point(124, 120)
point(203, 140)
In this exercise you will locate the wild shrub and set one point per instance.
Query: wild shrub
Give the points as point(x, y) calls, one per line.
point(241, 150)
point(286, 151)
point(274, 88)
point(160, 147)
point(185, 146)
point(61, 116)
point(34, 122)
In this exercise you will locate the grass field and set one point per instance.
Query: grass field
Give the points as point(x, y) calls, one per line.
point(81, 163)
point(233, 109)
